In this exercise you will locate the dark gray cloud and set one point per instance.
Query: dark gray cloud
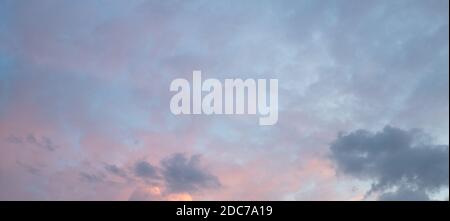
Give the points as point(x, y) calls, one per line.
point(145, 170)
point(184, 174)
point(393, 159)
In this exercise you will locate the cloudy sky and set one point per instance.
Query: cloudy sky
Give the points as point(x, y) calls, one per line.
point(85, 100)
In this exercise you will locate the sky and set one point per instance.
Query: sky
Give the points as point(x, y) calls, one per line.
point(85, 102)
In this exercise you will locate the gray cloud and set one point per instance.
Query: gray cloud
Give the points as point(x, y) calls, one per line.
point(405, 194)
point(91, 178)
point(14, 139)
point(179, 173)
point(29, 168)
point(43, 142)
point(47, 143)
point(146, 170)
point(113, 169)
point(393, 158)
point(183, 174)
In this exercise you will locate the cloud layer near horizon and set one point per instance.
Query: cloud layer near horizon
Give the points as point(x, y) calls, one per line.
point(84, 100)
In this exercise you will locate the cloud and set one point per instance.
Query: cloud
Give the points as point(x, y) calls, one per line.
point(31, 169)
point(154, 193)
point(145, 169)
point(94, 80)
point(44, 142)
point(175, 177)
point(115, 170)
point(145, 194)
point(91, 178)
point(405, 194)
point(14, 139)
point(393, 158)
point(183, 174)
